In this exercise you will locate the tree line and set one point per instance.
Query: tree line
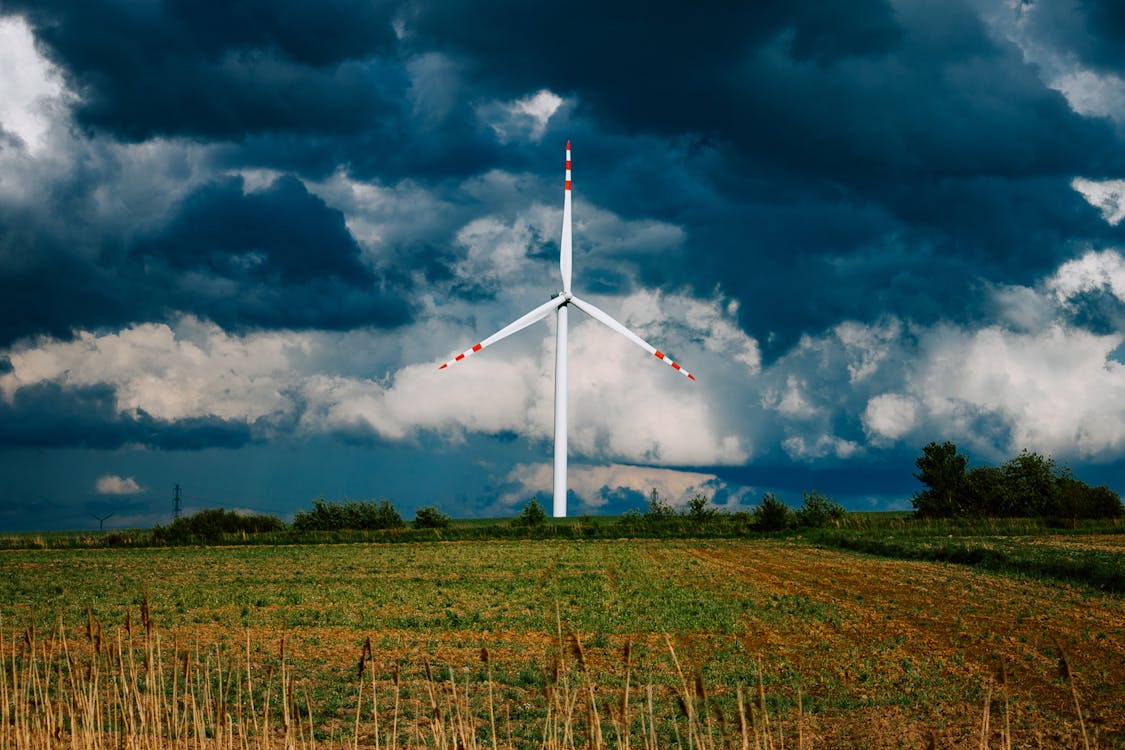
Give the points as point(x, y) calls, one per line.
point(213, 524)
point(1027, 486)
point(698, 517)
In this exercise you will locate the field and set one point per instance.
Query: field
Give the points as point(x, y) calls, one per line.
point(767, 642)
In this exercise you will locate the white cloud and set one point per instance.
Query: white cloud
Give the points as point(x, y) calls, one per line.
point(1040, 31)
point(192, 370)
point(1043, 384)
point(497, 250)
point(1055, 390)
point(625, 405)
point(381, 217)
point(791, 401)
point(595, 485)
point(1091, 93)
point(539, 107)
point(1094, 271)
point(867, 345)
point(111, 484)
point(526, 117)
point(1105, 195)
point(30, 86)
point(815, 447)
point(890, 415)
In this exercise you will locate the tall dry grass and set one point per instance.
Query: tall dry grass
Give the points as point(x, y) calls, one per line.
point(128, 688)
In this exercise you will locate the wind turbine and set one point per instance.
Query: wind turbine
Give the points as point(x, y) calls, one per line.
point(559, 304)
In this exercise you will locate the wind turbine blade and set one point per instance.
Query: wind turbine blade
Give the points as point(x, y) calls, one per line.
point(603, 317)
point(565, 243)
point(519, 324)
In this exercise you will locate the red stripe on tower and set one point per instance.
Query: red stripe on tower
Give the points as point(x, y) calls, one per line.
point(568, 184)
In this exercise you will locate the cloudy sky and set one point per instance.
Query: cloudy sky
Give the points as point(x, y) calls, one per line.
point(236, 240)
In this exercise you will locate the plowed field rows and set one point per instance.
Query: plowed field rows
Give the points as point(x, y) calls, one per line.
point(849, 650)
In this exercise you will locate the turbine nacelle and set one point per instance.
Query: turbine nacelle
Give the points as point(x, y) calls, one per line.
point(559, 304)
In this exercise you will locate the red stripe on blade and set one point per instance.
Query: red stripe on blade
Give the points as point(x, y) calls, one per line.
point(459, 357)
point(690, 376)
point(675, 366)
point(568, 184)
point(476, 348)
point(659, 354)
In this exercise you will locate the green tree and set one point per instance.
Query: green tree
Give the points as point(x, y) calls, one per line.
point(1102, 502)
point(659, 507)
point(430, 518)
point(772, 514)
point(532, 516)
point(1030, 486)
point(819, 510)
point(699, 508)
point(385, 516)
point(984, 492)
point(1074, 500)
point(942, 469)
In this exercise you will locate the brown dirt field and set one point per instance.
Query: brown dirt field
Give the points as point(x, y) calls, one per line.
point(965, 627)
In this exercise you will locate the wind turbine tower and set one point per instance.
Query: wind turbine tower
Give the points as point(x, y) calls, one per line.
point(559, 305)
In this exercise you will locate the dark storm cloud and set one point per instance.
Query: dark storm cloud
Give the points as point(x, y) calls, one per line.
point(1091, 30)
point(276, 258)
point(1105, 22)
point(219, 69)
point(279, 257)
point(48, 415)
point(280, 235)
point(877, 149)
point(646, 66)
point(79, 293)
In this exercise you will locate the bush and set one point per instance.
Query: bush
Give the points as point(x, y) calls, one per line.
point(772, 514)
point(430, 518)
point(211, 524)
point(1027, 486)
point(533, 516)
point(818, 511)
point(658, 507)
point(698, 508)
point(332, 516)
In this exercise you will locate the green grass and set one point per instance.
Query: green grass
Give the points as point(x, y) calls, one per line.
point(1024, 553)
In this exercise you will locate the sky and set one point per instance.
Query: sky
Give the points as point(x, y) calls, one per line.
point(237, 240)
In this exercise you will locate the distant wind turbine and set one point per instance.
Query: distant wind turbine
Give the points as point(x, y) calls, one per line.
point(559, 304)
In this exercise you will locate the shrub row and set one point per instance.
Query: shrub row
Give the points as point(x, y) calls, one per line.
point(1027, 486)
point(329, 521)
